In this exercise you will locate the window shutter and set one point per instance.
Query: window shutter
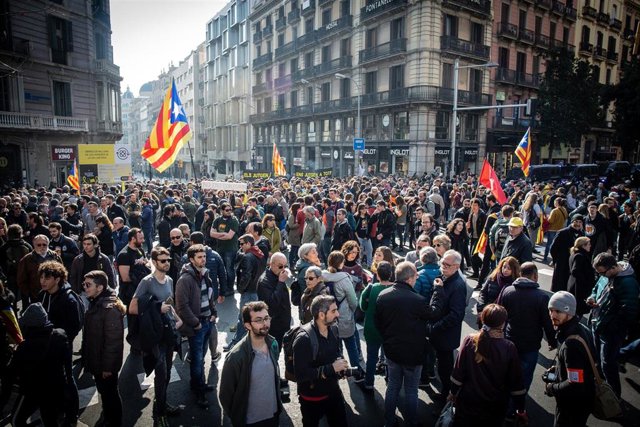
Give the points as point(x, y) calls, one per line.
point(69, 36)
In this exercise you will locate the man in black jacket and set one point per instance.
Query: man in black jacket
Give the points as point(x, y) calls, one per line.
point(272, 289)
point(317, 374)
point(165, 226)
point(404, 337)
point(526, 305)
point(573, 386)
point(386, 225)
point(475, 224)
point(561, 252)
point(518, 244)
point(64, 246)
point(342, 232)
point(251, 265)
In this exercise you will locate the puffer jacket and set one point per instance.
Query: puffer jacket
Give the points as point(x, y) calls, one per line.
point(617, 300)
point(346, 299)
point(426, 275)
point(294, 235)
point(103, 335)
point(188, 301)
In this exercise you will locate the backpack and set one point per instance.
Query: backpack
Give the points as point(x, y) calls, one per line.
point(81, 307)
point(502, 233)
point(296, 293)
point(287, 344)
point(534, 219)
point(431, 207)
point(332, 292)
point(13, 256)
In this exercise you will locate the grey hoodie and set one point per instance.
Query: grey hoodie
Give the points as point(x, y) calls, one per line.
point(346, 299)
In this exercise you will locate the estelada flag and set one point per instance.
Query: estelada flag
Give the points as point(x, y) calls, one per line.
point(169, 134)
point(8, 318)
point(74, 178)
point(278, 164)
point(523, 152)
point(489, 179)
point(481, 245)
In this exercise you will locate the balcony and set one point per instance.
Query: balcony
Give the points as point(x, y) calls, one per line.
point(16, 45)
point(377, 8)
point(526, 36)
point(107, 126)
point(508, 30)
point(286, 49)
point(558, 8)
point(385, 50)
point(257, 37)
point(571, 13)
point(282, 82)
point(308, 7)
point(45, 123)
point(294, 16)
point(504, 75)
point(542, 41)
point(482, 7)
point(324, 2)
point(462, 47)
point(281, 23)
point(616, 24)
point(599, 52)
point(330, 67)
point(544, 4)
point(335, 27)
point(262, 87)
point(589, 13)
point(104, 66)
point(585, 48)
point(263, 60)
point(604, 18)
point(559, 44)
point(267, 31)
point(306, 39)
point(612, 57)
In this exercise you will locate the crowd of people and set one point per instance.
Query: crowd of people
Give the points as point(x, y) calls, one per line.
point(151, 261)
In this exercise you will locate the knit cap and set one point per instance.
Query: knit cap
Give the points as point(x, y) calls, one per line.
point(34, 317)
point(563, 301)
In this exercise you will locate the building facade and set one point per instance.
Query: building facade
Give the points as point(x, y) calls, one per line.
point(315, 61)
point(59, 87)
point(226, 85)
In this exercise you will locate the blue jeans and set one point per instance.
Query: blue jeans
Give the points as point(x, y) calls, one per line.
point(229, 259)
point(325, 248)
point(240, 331)
point(148, 240)
point(608, 346)
point(632, 349)
point(198, 345)
point(293, 255)
point(550, 235)
point(400, 375)
point(352, 350)
point(373, 349)
point(366, 250)
point(528, 362)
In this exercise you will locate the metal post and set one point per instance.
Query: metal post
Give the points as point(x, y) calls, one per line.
point(454, 117)
point(356, 163)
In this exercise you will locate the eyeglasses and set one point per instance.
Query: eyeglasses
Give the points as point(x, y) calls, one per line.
point(87, 284)
point(310, 278)
point(242, 243)
point(438, 245)
point(228, 210)
point(176, 237)
point(281, 266)
point(163, 261)
point(446, 265)
point(261, 320)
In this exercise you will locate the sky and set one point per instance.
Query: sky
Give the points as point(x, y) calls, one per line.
point(147, 35)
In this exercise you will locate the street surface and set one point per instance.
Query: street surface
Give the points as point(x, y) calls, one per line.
point(138, 392)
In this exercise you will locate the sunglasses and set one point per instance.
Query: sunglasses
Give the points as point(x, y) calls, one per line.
point(176, 237)
point(40, 245)
point(310, 278)
point(281, 266)
point(163, 261)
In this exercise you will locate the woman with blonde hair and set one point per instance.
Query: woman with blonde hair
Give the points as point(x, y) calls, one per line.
point(582, 275)
point(442, 243)
point(531, 214)
point(271, 232)
point(507, 270)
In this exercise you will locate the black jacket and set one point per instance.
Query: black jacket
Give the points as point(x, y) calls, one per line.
point(560, 252)
point(528, 317)
point(251, 265)
point(68, 249)
point(446, 331)
point(62, 309)
point(386, 223)
point(403, 331)
point(275, 293)
point(341, 234)
point(582, 279)
point(164, 231)
point(520, 248)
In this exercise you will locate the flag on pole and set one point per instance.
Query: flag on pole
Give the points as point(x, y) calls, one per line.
point(278, 164)
point(74, 178)
point(482, 244)
point(540, 234)
point(489, 179)
point(523, 151)
point(170, 132)
point(8, 317)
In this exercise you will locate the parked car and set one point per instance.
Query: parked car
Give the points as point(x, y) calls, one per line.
point(617, 172)
point(577, 173)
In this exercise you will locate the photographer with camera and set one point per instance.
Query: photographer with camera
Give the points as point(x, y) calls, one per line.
point(571, 380)
point(318, 367)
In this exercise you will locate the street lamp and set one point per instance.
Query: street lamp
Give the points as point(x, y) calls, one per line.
point(456, 69)
point(358, 120)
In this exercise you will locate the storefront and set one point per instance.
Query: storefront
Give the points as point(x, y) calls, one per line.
point(62, 157)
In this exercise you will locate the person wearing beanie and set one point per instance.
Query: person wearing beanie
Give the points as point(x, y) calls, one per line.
point(571, 380)
point(42, 367)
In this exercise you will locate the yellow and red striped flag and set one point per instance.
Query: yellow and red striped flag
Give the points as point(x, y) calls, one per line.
point(482, 244)
point(8, 317)
point(74, 178)
point(169, 134)
point(523, 152)
point(278, 164)
point(540, 234)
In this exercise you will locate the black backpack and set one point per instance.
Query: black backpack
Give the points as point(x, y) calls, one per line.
point(502, 233)
point(81, 308)
point(287, 344)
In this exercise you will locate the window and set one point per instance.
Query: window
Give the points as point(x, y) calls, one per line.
point(281, 101)
point(281, 69)
point(345, 88)
point(396, 77)
point(442, 125)
point(345, 47)
point(280, 39)
point(397, 29)
point(326, 53)
point(60, 39)
point(310, 99)
point(101, 47)
point(523, 19)
point(477, 33)
point(504, 13)
point(503, 57)
point(599, 39)
point(608, 76)
point(536, 66)
point(294, 65)
point(447, 75)
point(586, 34)
point(611, 46)
point(521, 62)
point(471, 127)
point(61, 98)
point(475, 81)
point(401, 125)
point(308, 60)
point(371, 38)
point(9, 90)
point(308, 26)
point(552, 31)
point(450, 26)
point(326, 17)
point(370, 82)
point(345, 8)
point(565, 36)
point(294, 98)
point(325, 92)
point(538, 29)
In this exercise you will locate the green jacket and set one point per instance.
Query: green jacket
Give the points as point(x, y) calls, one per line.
point(368, 300)
point(236, 377)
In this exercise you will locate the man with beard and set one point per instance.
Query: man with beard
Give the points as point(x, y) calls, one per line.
point(64, 246)
point(93, 212)
point(113, 209)
point(560, 252)
point(89, 260)
point(250, 380)
point(225, 231)
point(177, 249)
point(464, 212)
point(28, 278)
point(166, 225)
point(598, 230)
point(35, 227)
point(132, 265)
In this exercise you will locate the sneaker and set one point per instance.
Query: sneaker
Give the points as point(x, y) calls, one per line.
point(216, 357)
point(161, 421)
point(227, 347)
point(233, 327)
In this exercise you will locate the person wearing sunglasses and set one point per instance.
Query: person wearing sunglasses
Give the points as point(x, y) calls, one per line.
point(28, 277)
point(315, 286)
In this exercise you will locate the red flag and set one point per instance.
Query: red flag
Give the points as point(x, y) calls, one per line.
point(489, 179)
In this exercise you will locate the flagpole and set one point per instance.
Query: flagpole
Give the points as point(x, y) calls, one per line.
point(193, 166)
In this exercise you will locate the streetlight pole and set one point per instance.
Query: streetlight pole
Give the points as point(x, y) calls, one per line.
point(358, 119)
point(454, 126)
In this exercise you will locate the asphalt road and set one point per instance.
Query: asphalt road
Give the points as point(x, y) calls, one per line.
point(138, 392)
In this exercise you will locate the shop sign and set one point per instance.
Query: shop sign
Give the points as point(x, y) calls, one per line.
point(314, 174)
point(471, 153)
point(369, 152)
point(297, 161)
point(442, 151)
point(399, 152)
point(62, 153)
point(348, 155)
point(326, 154)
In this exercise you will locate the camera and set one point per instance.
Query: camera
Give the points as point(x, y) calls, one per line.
point(549, 377)
point(352, 372)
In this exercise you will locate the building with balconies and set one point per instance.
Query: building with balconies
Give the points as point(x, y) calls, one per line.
point(524, 31)
point(320, 59)
point(59, 86)
point(226, 85)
